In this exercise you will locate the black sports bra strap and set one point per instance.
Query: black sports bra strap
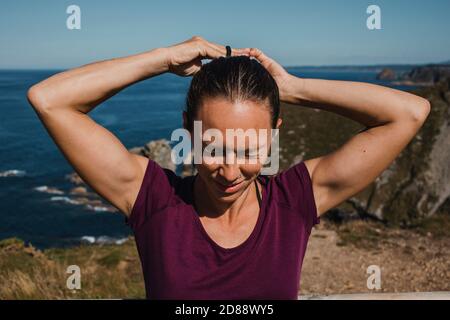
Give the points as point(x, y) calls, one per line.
point(258, 195)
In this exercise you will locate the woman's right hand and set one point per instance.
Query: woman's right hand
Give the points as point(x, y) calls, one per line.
point(185, 58)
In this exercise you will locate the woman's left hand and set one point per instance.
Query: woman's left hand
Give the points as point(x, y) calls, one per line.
point(281, 76)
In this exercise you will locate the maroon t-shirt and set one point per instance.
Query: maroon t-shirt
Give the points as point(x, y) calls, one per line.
point(180, 261)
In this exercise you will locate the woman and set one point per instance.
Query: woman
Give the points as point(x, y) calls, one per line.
point(227, 232)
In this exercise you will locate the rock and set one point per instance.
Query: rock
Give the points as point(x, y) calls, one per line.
point(74, 178)
point(137, 150)
point(82, 200)
point(188, 169)
point(159, 151)
point(79, 190)
point(387, 74)
point(430, 74)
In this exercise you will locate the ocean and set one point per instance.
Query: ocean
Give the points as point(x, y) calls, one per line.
point(29, 159)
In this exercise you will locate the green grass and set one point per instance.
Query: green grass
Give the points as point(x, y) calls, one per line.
point(107, 271)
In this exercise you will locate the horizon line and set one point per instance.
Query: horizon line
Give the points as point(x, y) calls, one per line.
point(285, 66)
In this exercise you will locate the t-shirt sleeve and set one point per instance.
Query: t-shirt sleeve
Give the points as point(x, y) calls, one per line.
point(155, 193)
point(295, 190)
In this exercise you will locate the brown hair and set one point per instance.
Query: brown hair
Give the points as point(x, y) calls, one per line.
point(237, 78)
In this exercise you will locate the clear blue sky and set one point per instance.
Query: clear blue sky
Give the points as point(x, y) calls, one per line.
point(33, 34)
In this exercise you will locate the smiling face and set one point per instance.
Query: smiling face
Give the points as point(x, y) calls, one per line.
point(225, 176)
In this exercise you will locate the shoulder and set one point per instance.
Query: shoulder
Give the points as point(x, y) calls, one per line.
point(158, 189)
point(294, 188)
point(311, 165)
point(294, 177)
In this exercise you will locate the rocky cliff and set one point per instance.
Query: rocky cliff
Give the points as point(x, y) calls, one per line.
point(429, 74)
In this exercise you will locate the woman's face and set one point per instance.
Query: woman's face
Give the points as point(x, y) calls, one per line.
point(245, 131)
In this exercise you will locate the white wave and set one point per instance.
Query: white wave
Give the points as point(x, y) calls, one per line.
point(47, 189)
point(103, 240)
point(88, 239)
point(65, 199)
point(12, 173)
point(100, 208)
point(78, 201)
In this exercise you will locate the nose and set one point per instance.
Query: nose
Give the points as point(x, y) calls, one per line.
point(230, 173)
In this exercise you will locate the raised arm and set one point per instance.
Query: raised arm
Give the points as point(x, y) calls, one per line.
point(63, 101)
point(392, 118)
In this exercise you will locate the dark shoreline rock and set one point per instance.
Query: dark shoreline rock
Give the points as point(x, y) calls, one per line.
point(419, 76)
point(157, 150)
point(431, 74)
point(387, 74)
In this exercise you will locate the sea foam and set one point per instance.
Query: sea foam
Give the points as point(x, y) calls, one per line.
point(12, 173)
point(103, 240)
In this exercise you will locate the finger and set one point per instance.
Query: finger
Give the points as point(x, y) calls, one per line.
point(240, 51)
point(261, 57)
point(210, 51)
point(222, 51)
point(258, 54)
point(243, 51)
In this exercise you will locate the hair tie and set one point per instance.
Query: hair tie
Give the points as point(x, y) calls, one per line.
point(228, 51)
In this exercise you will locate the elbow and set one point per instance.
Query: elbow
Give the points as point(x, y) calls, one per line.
point(420, 111)
point(37, 98)
point(34, 96)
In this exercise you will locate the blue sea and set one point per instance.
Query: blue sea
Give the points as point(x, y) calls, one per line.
point(29, 158)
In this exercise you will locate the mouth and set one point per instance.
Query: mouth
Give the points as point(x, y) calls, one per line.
point(229, 188)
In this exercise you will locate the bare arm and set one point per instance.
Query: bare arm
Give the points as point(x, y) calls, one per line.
point(64, 100)
point(392, 118)
point(62, 103)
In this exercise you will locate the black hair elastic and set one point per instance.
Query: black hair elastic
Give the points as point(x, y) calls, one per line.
point(228, 51)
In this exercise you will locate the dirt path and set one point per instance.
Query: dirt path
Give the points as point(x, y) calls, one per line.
point(408, 260)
